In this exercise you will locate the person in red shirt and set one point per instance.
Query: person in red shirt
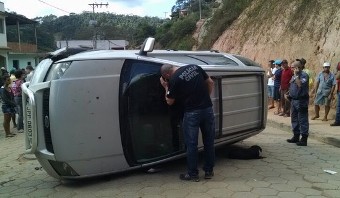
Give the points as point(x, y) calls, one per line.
point(286, 75)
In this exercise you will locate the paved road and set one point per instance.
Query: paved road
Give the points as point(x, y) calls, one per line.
point(287, 171)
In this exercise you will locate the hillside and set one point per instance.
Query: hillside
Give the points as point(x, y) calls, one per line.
point(288, 29)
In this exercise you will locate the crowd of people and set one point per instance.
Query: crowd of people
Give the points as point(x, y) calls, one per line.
point(11, 96)
point(288, 91)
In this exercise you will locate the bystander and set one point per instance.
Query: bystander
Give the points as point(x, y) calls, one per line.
point(277, 83)
point(29, 73)
point(16, 86)
point(337, 114)
point(8, 105)
point(324, 87)
point(286, 76)
point(270, 85)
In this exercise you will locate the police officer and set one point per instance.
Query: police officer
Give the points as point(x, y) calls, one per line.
point(299, 97)
point(190, 86)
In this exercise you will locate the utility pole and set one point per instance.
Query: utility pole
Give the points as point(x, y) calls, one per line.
point(94, 22)
point(93, 5)
point(199, 4)
point(165, 14)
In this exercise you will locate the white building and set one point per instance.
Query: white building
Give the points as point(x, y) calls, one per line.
point(101, 44)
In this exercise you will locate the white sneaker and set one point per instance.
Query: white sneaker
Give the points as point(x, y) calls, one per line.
point(21, 131)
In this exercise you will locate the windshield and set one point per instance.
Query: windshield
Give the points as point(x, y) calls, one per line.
point(40, 71)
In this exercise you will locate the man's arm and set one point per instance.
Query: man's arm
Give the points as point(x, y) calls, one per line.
point(169, 101)
point(210, 84)
point(337, 76)
point(333, 88)
point(330, 97)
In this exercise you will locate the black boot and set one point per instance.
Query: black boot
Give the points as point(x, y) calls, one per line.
point(294, 139)
point(303, 141)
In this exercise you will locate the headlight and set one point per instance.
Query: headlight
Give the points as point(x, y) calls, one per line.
point(57, 71)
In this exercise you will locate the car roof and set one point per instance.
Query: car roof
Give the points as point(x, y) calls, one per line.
point(147, 53)
point(170, 55)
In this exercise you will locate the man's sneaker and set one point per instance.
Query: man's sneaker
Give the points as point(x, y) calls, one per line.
point(208, 175)
point(187, 177)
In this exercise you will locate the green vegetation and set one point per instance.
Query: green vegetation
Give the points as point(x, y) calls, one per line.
point(222, 19)
point(177, 34)
point(77, 27)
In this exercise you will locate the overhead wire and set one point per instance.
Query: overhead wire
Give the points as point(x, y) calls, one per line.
point(54, 6)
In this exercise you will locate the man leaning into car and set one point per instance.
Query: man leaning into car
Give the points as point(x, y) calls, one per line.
point(190, 86)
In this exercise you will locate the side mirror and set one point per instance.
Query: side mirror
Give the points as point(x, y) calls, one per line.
point(147, 46)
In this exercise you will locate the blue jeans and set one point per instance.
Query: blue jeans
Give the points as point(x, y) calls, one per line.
point(18, 101)
point(193, 121)
point(299, 117)
point(270, 90)
point(337, 114)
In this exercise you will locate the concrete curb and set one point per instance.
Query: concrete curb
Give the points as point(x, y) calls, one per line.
point(313, 134)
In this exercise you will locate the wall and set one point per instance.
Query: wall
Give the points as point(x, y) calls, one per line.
point(23, 59)
point(3, 37)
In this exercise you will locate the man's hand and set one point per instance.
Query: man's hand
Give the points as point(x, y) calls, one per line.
point(286, 96)
point(163, 83)
point(330, 97)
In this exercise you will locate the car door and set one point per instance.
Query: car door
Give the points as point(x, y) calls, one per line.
point(150, 129)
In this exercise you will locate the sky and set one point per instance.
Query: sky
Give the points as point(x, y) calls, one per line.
point(39, 8)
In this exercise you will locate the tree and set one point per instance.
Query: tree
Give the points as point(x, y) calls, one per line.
point(144, 30)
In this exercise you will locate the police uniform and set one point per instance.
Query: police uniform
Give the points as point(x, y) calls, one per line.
point(299, 105)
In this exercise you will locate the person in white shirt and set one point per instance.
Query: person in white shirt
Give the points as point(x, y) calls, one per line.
point(270, 73)
point(29, 73)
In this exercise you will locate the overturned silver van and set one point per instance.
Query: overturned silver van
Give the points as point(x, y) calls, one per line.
point(102, 112)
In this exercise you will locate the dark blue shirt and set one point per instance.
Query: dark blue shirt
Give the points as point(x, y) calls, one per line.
point(299, 93)
point(189, 89)
point(277, 80)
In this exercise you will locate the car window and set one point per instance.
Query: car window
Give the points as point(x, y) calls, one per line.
point(247, 61)
point(181, 59)
point(198, 59)
point(216, 60)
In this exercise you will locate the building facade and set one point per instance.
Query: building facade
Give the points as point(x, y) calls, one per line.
point(16, 54)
